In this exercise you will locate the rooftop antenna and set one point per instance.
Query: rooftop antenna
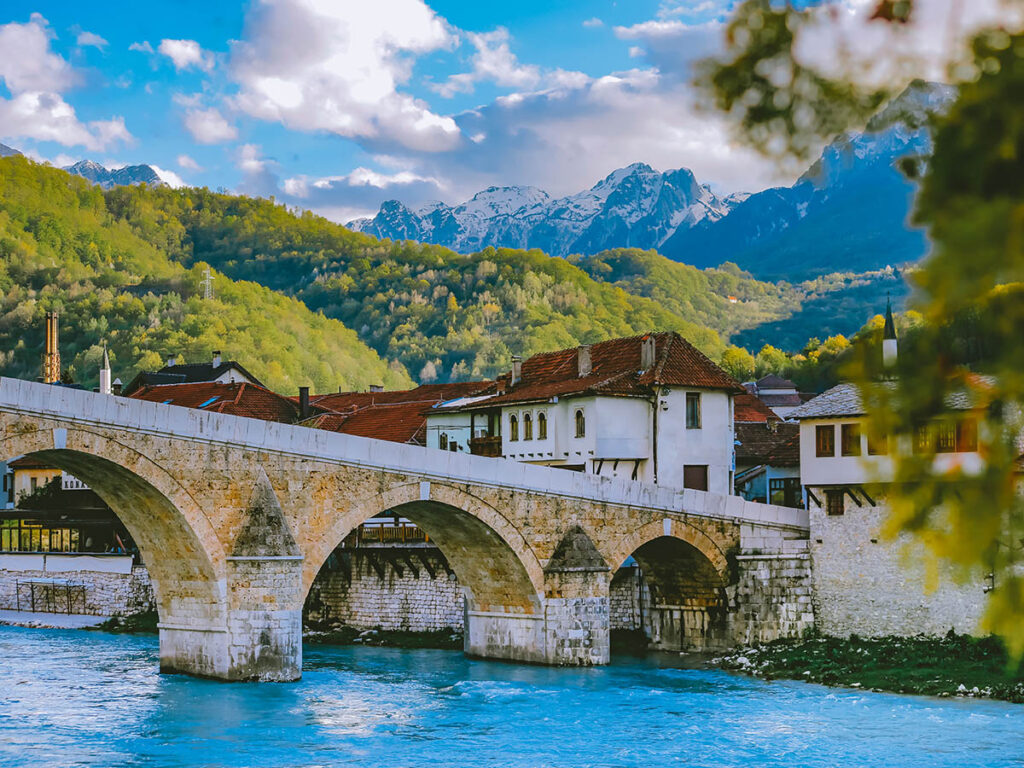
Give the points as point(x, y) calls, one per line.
point(207, 284)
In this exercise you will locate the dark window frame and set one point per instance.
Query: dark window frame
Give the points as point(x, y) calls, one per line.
point(513, 428)
point(542, 426)
point(693, 410)
point(825, 448)
point(581, 423)
point(849, 439)
point(835, 502)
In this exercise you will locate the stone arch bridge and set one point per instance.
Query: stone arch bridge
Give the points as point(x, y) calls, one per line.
point(234, 518)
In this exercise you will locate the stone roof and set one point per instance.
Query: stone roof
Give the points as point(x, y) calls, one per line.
point(771, 381)
point(845, 400)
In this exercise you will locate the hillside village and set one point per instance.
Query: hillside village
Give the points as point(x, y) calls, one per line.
point(648, 409)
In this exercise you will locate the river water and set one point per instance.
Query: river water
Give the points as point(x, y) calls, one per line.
point(72, 698)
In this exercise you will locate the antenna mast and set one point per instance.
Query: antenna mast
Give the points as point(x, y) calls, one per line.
point(207, 284)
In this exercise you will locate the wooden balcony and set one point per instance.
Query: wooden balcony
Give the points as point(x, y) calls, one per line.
point(486, 446)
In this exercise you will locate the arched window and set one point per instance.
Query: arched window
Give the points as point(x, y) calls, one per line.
point(442, 441)
point(542, 426)
point(513, 428)
point(581, 423)
point(527, 427)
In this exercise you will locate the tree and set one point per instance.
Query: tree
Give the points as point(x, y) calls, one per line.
point(970, 342)
point(738, 363)
point(770, 360)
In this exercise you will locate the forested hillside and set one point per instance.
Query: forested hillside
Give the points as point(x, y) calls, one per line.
point(60, 248)
point(442, 314)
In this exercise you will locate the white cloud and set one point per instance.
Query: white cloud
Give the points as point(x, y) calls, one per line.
point(184, 161)
point(143, 47)
point(86, 39)
point(172, 179)
point(209, 126)
point(360, 192)
point(186, 54)
point(319, 65)
point(635, 51)
point(492, 62)
point(594, 22)
point(35, 76)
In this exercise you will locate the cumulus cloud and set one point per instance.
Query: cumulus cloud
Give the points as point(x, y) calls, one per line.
point(186, 54)
point(209, 126)
point(35, 76)
point(143, 47)
point(318, 65)
point(594, 22)
point(184, 161)
point(493, 62)
point(89, 39)
point(360, 192)
point(172, 179)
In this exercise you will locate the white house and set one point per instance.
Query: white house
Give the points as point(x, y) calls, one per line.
point(650, 408)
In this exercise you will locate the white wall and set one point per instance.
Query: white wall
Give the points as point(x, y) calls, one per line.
point(712, 444)
point(455, 425)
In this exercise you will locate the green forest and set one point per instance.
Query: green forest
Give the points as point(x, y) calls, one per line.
point(301, 300)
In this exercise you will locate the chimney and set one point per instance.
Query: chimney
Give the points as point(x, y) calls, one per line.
point(647, 353)
point(172, 360)
point(51, 359)
point(517, 370)
point(303, 403)
point(376, 387)
point(105, 385)
point(116, 387)
point(583, 360)
point(216, 358)
point(889, 343)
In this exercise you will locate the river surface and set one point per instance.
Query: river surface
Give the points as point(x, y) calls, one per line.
point(73, 698)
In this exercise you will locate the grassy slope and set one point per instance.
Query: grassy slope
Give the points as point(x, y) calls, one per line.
point(60, 248)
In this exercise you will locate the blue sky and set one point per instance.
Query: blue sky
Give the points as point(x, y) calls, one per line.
point(336, 105)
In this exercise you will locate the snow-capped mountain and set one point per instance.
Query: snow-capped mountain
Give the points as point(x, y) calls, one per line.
point(117, 177)
point(634, 206)
point(848, 211)
point(6, 151)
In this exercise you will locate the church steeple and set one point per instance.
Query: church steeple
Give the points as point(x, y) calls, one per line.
point(889, 343)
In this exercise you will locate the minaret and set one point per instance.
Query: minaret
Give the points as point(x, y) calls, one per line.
point(105, 386)
point(51, 360)
point(889, 338)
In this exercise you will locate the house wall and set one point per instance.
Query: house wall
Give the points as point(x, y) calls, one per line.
point(712, 444)
point(23, 480)
point(456, 426)
point(867, 585)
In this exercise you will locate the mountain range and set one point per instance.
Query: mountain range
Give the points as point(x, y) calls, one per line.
point(849, 211)
point(109, 178)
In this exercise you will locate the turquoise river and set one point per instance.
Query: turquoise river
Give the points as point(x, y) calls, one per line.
point(74, 698)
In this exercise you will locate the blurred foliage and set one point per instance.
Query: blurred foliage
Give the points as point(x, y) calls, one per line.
point(61, 249)
point(968, 348)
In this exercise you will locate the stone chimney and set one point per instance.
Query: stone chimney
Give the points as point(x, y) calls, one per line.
point(303, 403)
point(583, 362)
point(889, 342)
point(216, 358)
point(172, 360)
point(517, 370)
point(116, 387)
point(106, 388)
point(51, 359)
point(647, 353)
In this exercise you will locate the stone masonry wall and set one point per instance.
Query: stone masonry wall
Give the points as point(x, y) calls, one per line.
point(407, 602)
point(867, 585)
point(772, 597)
point(106, 594)
point(624, 599)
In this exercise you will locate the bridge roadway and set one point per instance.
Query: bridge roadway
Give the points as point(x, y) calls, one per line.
point(234, 518)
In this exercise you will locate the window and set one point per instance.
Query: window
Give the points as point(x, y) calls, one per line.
point(878, 443)
point(945, 437)
point(527, 426)
point(695, 476)
point(825, 440)
point(850, 436)
point(785, 492)
point(922, 439)
point(834, 503)
point(513, 428)
point(693, 410)
point(581, 424)
point(542, 426)
point(442, 441)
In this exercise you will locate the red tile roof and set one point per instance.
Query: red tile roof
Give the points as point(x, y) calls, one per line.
point(615, 370)
point(775, 443)
point(239, 399)
point(749, 408)
point(399, 416)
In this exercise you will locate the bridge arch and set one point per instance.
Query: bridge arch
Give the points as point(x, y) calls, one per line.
point(184, 557)
point(490, 557)
point(629, 543)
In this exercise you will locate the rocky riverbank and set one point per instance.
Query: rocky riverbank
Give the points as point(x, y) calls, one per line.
point(954, 665)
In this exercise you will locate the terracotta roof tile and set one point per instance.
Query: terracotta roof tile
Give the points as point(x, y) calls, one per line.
point(238, 399)
point(775, 443)
point(749, 408)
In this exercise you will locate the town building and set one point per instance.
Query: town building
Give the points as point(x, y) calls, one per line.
point(767, 454)
point(650, 408)
point(779, 394)
point(215, 370)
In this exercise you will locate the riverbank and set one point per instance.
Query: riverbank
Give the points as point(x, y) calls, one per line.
point(954, 665)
